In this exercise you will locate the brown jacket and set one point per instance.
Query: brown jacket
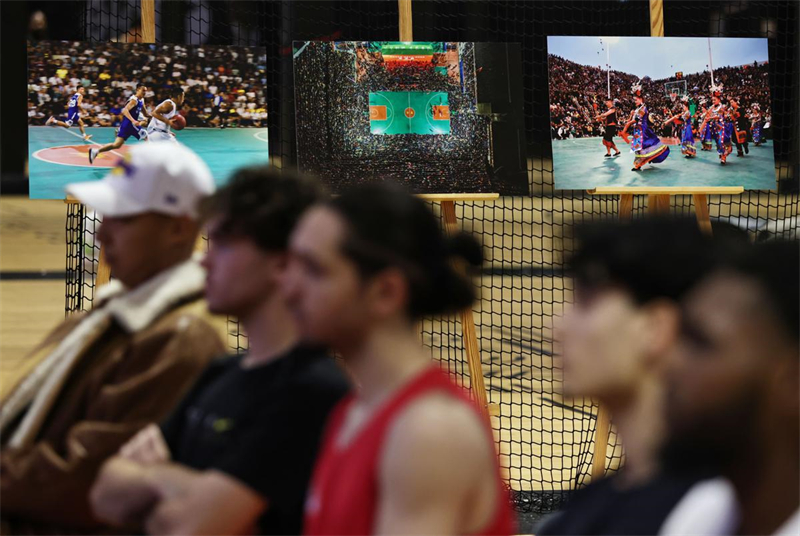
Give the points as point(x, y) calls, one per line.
point(144, 350)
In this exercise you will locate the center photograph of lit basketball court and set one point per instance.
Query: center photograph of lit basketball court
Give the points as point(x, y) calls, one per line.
point(437, 117)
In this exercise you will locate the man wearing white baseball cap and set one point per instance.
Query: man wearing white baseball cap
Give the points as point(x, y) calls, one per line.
point(100, 377)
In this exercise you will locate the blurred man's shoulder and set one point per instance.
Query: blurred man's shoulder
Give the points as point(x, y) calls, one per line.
point(316, 367)
point(191, 315)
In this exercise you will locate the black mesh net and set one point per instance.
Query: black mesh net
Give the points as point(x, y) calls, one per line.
point(546, 441)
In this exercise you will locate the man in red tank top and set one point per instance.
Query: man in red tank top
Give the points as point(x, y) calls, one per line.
point(408, 453)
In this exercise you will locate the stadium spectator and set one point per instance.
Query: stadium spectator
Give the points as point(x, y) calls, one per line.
point(615, 340)
point(111, 71)
point(98, 378)
point(237, 454)
point(733, 402)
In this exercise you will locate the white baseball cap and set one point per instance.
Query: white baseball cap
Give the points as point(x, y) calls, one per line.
point(168, 178)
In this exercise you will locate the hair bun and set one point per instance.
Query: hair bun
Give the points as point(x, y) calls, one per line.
point(464, 246)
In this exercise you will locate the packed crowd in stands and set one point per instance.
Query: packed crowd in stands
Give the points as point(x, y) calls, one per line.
point(111, 71)
point(578, 94)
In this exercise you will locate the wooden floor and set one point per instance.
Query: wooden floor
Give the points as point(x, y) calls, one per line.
point(32, 240)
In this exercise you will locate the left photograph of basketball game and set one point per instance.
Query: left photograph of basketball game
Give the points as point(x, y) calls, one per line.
point(89, 103)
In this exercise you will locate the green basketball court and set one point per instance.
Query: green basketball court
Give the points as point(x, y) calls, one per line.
point(409, 112)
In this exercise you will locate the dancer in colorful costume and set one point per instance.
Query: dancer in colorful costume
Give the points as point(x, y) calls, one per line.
point(687, 135)
point(704, 131)
point(721, 127)
point(757, 123)
point(646, 145)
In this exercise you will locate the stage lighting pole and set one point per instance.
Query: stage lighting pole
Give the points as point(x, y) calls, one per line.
point(710, 62)
point(608, 68)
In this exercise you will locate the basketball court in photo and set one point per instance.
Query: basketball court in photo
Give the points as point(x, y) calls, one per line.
point(409, 112)
point(59, 156)
point(579, 164)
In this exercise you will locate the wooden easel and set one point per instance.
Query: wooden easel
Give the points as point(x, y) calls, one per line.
point(447, 202)
point(658, 202)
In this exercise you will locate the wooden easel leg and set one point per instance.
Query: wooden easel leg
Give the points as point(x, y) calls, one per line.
point(625, 207)
point(103, 275)
point(468, 332)
point(148, 30)
point(658, 204)
point(655, 205)
point(148, 18)
point(702, 213)
point(404, 19)
point(600, 444)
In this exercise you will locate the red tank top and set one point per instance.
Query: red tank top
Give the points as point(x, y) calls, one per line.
point(344, 494)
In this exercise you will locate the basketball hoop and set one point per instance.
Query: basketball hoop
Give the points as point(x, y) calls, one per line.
point(675, 89)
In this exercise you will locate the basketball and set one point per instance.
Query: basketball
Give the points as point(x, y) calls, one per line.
point(178, 122)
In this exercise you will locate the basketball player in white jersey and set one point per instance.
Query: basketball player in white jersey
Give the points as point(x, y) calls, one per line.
point(73, 113)
point(160, 125)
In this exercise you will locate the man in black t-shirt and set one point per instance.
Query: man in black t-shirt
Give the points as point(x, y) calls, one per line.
point(237, 454)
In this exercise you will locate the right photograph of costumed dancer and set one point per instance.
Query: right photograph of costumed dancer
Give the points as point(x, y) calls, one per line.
point(660, 112)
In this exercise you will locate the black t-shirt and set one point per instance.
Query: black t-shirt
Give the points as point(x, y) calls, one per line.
point(261, 425)
point(604, 508)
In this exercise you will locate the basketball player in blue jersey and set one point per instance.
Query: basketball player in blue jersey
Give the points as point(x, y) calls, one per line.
point(130, 125)
point(160, 125)
point(218, 110)
point(73, 113)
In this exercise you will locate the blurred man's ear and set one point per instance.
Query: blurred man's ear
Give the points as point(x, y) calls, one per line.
point(181, 230)
point(662, 328)
point(786, 382)
point(388, 292)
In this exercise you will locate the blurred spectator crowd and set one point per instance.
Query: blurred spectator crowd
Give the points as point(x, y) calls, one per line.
point(578, 94)
point(111, 71)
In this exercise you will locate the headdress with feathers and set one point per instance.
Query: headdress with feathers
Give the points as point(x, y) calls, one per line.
point(636, 88)
point(716, 90)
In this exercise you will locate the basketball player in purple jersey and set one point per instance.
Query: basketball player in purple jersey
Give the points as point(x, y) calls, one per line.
point(130, 125)
point(73, 113)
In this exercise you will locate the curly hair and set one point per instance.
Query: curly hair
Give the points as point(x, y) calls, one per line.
point(263, 204)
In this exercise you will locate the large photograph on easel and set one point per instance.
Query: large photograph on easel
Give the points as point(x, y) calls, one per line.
point(437, 117)
point(660, 111)
point(89, 102)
